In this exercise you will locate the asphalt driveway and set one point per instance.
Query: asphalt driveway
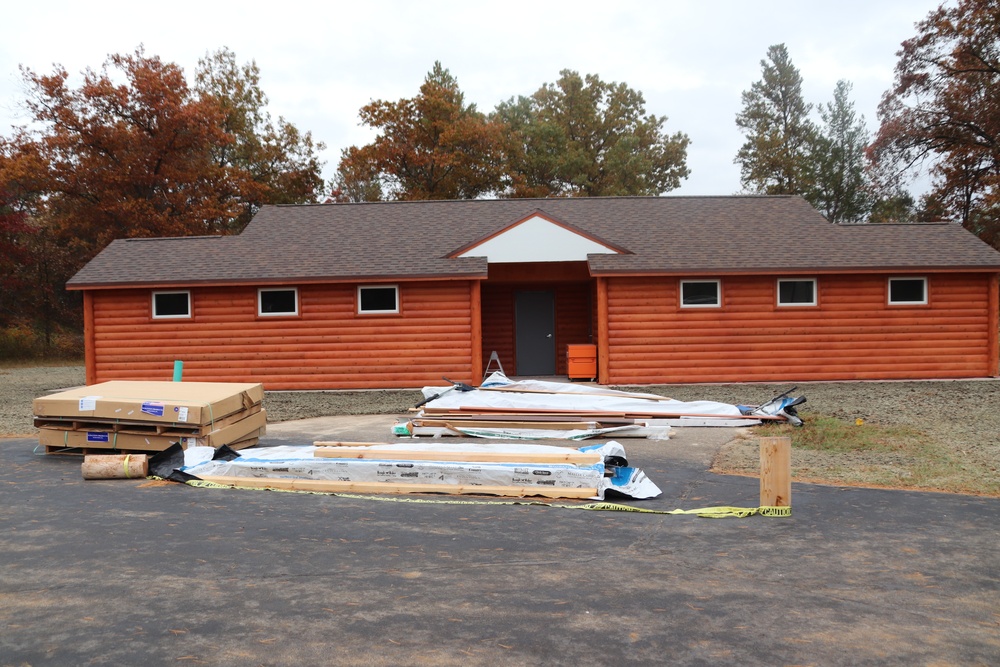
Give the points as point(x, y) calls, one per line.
point(143, 572)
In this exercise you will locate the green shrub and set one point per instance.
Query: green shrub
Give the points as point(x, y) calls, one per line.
point(22, 341)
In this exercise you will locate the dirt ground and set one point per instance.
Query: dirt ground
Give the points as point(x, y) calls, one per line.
point(960, 420)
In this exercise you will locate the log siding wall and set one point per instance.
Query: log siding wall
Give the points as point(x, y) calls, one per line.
point(573, 318)
point(643, 334)
point(327, 346)
point(852, 334)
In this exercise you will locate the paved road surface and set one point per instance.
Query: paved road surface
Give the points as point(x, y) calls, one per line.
point(136, 572)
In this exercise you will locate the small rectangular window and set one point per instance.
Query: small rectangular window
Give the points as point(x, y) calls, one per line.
point(283, 301)
point(378, 299)
point(907, 291)
point(797, 292)
point(174, 305)
point(700, 293)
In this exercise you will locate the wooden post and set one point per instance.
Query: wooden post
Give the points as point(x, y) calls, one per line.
point(476, 317)
point(603, 344)
point(776, 472)
point(993, 338)
point(89, 339)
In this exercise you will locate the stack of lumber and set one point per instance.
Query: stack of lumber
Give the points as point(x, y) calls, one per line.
point(134, 417)
point(504, 408)
point(500, 469)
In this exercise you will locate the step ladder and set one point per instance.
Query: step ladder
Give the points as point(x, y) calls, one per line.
point(490, 368)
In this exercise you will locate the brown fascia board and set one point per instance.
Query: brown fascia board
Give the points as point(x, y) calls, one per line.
point(846, 270)
point(478, 275)
point(538, 213)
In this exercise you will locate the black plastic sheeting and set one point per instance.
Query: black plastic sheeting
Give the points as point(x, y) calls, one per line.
point(168, 463)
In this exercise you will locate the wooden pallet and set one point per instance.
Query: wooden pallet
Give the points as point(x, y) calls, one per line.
point(83, 451)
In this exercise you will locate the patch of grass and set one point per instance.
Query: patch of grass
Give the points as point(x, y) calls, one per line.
point(823, 433)
point(835, 451)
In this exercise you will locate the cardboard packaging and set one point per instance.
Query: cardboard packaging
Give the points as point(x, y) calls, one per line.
point(252, 426)
point(180, 403)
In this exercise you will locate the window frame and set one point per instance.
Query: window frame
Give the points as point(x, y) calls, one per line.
point(260, 302)
point(718, 293)
point(186, 316)
point(396, 291)
point(888, 291)
point(783, 304)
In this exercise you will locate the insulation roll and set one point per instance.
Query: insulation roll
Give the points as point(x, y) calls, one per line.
point(115, 466)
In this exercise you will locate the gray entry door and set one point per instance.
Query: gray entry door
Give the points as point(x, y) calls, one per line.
point(535, 328)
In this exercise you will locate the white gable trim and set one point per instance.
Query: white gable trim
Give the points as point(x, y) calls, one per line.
point(536, 239)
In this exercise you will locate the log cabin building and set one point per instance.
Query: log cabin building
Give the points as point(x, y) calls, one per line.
point(666, 289)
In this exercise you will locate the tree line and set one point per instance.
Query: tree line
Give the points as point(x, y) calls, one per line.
point(941, 117)
point(138, 150)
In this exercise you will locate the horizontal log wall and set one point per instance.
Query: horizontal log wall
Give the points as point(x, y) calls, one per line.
point(851, 335)
point(498, 326)
point(328, 346)
point(573, 320)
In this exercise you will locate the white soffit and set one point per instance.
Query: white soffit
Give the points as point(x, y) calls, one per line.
point(537, 240)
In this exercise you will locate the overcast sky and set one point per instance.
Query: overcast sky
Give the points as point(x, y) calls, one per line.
point(320, 62)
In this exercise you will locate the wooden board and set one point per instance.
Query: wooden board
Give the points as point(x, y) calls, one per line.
point(573, 456)
point(496, 423)
point(635, 397)
point(386, 487)
point(488, 412)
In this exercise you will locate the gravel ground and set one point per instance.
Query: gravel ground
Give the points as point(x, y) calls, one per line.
point(19, 386)
point(962, 415)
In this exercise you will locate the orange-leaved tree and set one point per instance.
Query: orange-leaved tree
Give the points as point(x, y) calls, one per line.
point(128, 153)
point(944, 110)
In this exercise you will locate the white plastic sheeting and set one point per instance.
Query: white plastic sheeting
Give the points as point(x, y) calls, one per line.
point(540, 394)
point(300, 462)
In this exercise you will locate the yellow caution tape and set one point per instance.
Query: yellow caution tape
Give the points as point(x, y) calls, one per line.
point(704, 512)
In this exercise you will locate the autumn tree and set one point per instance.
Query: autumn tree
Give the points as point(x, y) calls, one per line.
point(775, 159)
point(582, 136)
point(357, 179)
point(15, 254)
point(943, 113)
point(33, 260)
point(432, 146)
point(281, 161)
point(840, 187)
point(127, 153)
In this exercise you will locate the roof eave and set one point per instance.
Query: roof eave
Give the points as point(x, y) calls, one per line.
point(311, 280)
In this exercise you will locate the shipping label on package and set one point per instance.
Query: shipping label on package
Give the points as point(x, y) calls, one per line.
point(153, 408)
point(88, 403)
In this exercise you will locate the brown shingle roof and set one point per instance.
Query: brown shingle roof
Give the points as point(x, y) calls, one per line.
point(396, 240)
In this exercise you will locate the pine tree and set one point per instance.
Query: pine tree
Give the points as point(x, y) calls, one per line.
point(774, 159)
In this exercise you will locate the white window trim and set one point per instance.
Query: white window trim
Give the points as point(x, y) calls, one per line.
point(815, 299)
point(152, 305)
point(260, 301)
point(718, 294)
point(888, 291)
point(378, 312)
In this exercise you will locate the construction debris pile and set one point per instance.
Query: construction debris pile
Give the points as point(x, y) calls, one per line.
point(126, 416)
point(535, 409)
point(500, 469)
